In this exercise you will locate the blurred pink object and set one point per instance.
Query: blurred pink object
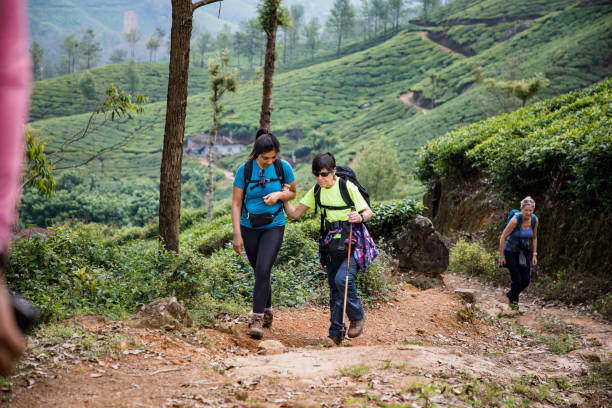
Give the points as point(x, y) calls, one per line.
point(15, 76)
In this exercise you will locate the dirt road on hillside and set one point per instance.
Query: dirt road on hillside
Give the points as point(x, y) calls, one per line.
point(424, 36)
point(228, 174)
point(419, 348)
point(408, 99)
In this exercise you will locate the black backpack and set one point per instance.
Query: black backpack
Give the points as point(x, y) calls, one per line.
point(248, 173)
point(344, 173)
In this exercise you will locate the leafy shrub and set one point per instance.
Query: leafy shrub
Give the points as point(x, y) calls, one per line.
point(471, 258)
point(391, 216)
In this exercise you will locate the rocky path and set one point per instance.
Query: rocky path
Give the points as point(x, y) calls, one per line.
point(419, 348)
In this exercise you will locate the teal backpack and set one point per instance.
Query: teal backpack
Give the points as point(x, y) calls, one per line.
point(517, 214)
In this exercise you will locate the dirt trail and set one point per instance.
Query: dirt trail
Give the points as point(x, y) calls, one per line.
point(424, 36)
point(408, 99)
point(228, 174)
point(427, 337)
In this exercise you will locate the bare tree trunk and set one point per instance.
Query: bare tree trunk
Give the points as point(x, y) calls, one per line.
point(266, 103)
point(176, 105)
point(211, 145)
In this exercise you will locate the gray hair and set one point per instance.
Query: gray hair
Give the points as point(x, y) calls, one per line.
point(527, 201)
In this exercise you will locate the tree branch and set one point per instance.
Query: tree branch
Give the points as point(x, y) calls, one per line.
point(201, 3)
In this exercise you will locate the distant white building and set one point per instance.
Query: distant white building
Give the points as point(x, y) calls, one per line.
point(198, 145)
point(130, 21)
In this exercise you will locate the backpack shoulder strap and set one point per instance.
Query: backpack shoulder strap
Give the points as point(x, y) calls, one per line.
point(280, 172)
point(248, 172)
point(346, 196)
point(519, 221)
point(317, 196)
point(533, 221)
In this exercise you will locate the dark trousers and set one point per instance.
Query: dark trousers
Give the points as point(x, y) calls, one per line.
point(520, 276)
point(336, 278)
point(262, 246)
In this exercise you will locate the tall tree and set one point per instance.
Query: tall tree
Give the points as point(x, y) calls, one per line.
point(271, 15)
point(341, 20)
point(297, 16)
point(429, 6)
point(90, 49)
point(223, 40)
point(38, 53)
point(152, 46)
point(202, 44)
point(160, 33)
point(396, 8)
point(378, 170)
point(221, 80)
point(238, 44)
point(132, 37)
point(311, 31)
point(176, 104)
point(70, 46)
point(366, 19)
point(253, 34)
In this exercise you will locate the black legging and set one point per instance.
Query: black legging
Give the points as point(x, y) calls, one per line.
point(262, 246)
point(519, 275)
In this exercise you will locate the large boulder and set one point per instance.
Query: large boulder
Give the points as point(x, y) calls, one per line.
point(421, 250)
point(166, 313)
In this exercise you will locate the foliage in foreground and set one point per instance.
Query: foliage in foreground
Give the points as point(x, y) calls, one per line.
point(92, 268)
point(471, 258)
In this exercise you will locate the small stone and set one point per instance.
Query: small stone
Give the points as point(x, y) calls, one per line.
point(241, 395)
point(469, 295)
point(271, 347)
point(587, 355)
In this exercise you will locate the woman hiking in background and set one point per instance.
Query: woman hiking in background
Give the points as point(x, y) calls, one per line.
point(333, 252)
point(518, 247)
point(258, 220)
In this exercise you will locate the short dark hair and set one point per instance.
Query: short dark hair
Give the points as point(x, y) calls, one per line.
point(265, 142)
point(322, 161)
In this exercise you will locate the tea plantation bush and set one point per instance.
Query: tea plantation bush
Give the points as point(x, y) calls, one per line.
point(565, 141)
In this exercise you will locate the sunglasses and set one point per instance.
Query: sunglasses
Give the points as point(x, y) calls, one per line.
point(321, 173)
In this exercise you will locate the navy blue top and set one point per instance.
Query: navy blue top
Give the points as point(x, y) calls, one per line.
point(519, 239)
point(254, 196)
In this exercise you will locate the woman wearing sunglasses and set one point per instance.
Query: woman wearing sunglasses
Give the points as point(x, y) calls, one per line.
point(334, 229)
point(258, 220)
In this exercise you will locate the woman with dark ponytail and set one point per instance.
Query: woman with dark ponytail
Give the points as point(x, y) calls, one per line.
point(258, 219)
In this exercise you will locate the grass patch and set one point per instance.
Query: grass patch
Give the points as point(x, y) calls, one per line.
point(355, 371)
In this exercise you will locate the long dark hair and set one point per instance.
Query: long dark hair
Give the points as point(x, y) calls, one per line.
point(323, 161)
point(265, 141)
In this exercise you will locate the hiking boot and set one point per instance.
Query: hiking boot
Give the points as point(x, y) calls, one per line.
point(356, 327)
point(256, 327)
point(267, 318)
point(331, 341)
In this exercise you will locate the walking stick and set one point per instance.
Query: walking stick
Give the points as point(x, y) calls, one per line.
point(348, 265)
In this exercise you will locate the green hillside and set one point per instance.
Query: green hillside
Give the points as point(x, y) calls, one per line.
point(62, 96)
point(569, 45)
